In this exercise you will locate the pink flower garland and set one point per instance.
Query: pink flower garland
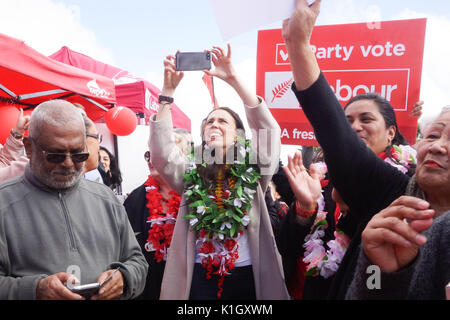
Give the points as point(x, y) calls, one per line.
point(319, 260)
point(324, 262)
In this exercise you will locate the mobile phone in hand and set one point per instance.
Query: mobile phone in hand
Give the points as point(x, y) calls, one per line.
point(90, 289)
point(86, 290)
point(191, 61)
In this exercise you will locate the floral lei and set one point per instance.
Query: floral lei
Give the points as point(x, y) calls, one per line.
point(401, 157)
point(162, 224)
point(219, 213)
point(320, 261)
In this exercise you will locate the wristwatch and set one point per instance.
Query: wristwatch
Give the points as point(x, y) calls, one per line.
point(16, 135)
point(162, 98)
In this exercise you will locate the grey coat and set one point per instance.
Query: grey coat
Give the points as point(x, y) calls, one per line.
point(43, 232)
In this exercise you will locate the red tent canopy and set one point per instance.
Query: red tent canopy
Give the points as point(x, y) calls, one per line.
point(135, 93)
point(28, 78)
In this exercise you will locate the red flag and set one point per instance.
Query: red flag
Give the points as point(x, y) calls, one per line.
point(208, 80)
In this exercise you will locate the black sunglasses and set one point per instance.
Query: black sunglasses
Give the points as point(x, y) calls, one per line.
point(98, 136)
point(55, 157)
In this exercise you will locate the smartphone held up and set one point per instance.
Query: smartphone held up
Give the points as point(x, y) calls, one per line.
point(193, 61)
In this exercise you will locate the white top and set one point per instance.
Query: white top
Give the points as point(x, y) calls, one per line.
point(94, 175)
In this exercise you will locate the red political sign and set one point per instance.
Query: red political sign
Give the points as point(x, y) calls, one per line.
point(383, 57)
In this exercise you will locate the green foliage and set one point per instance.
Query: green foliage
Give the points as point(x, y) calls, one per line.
point(213, 219)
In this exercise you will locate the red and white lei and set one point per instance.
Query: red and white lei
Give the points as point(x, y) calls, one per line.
point(162, 223)
point(219, 213)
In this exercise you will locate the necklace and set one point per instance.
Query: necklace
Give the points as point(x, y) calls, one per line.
point(162, 223)
point(401, 157)
point(318, 259)
point(219, 213)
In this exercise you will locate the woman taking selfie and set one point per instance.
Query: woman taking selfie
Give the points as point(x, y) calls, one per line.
point(223, 245)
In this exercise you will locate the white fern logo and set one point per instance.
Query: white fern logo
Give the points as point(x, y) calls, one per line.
point(281, 89)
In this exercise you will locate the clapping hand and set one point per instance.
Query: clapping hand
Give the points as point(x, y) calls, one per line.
point(306, 186)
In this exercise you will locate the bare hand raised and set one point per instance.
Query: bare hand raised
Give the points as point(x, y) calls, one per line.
point(22, 123)
point(298, 28)
point(417, 109)
point(223, 66)
point(306, 186)
point(172, 77)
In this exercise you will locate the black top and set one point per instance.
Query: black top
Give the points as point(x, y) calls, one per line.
point(366, 183)
point(290, 237)
point(136, 207)
point(282, 183)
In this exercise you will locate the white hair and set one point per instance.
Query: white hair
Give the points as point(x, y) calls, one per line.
point(427, 121)
point(445, 109)
point(54, 112)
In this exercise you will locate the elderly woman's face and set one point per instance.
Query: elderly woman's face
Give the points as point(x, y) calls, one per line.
point(219, 129)
point(433, 168)
point(368, 123)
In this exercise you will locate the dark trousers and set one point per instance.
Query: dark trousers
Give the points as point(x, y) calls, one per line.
point(239, 285)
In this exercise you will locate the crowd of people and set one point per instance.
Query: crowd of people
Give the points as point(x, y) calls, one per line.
point(226, 219)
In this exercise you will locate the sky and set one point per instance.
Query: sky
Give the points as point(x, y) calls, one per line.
point(136, 35)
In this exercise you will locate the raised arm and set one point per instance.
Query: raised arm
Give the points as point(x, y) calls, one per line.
point(12, 150)
point(224, 70)
point(297, 34)
point(172, 79)
point(265, 130)
point(350, 162)
point(167, 158)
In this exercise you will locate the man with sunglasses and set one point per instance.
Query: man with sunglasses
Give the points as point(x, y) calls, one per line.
point(55, 226)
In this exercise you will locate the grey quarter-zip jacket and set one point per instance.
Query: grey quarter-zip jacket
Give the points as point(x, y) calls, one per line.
point(83, 230)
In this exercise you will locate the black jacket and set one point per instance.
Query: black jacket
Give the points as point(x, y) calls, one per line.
point(136, 207)
point(365, 182)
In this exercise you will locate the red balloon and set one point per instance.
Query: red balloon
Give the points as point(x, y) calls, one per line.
point(8, 120)
point(121, 121)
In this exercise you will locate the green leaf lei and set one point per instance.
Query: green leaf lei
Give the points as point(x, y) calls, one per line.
point(204, 213)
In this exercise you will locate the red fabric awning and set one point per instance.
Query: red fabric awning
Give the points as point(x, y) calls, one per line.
point(28, 78)
point(135, 93)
